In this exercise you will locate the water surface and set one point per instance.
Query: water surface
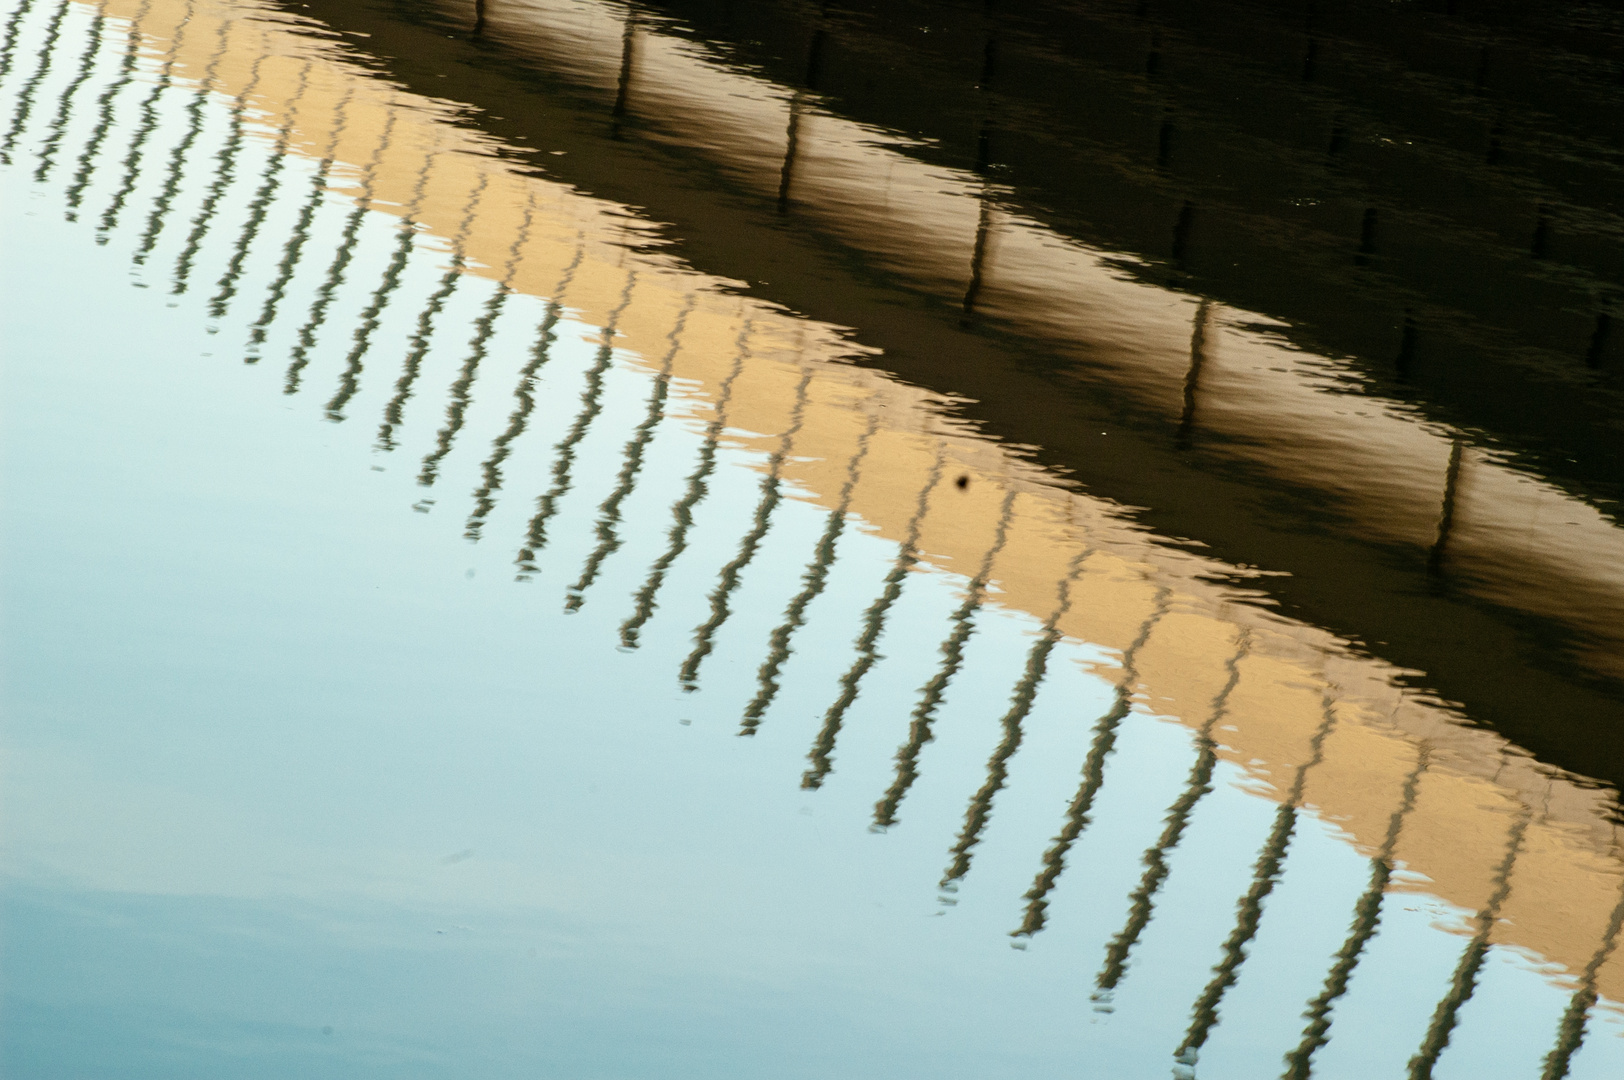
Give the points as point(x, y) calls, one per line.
point(569, 549)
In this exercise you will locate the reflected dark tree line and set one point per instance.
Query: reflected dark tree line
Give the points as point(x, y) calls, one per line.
point(962, 623)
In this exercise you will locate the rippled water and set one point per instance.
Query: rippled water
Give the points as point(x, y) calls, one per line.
point(538, 544)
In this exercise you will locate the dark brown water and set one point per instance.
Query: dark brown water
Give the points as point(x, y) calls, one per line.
point(578, 539)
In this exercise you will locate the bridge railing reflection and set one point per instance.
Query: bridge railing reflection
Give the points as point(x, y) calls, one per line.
point(1272, 699)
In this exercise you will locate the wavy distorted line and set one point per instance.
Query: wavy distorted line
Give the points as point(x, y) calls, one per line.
point(259, 206)
point(606, 529)
point(8, 43)
point(293, 249)
point(535, 536)
point(349, 382)
point(417, 347)
point(342, 256)
point(682, 511)
point(963, 626)
point(1570, 1034)
point(820, 755)
point(524, 403)
point(813, 580)
point(25, 97)
point(1249, 911)
point(225, 172)
point(484, 327)
point(1463, 983)
point(1367, 914)
point(1011, 729)
point(178, 153)
point(148, 113)
point(1142, 902)
point(749, 544)
point(978, 256)
point(64, 105)
point(394, 272)
point(1100, 749)
point(1192, 376)
point(86, 166)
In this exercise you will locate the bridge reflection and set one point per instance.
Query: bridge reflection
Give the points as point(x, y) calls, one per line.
point(406, 233)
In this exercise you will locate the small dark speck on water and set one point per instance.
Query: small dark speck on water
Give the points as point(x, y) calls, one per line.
point(328, 1030)
point(457, 857)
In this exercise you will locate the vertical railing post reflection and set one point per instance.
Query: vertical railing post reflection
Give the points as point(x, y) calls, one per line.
point(682, 511)
point(148, 114)
point(225, 173)
point(1093, 773)
point(749, 544)
point(984, 198)
point(1446, 513)
point(178, 153)
point(1192, 377)
point(260, 205)
point(1142, 902)
point(293, 250)
point(1249, 912)
point(394, 273)
point(342, 254)
point(963, 626)
point(813, 581)
point(1011, 732)
point(797, 103)
point(417, 347)
point(1367, 914)
point(59, 123)
point(1570, 1033)
point(623, 81)
point(821, 754)
point(25, 96)
point(478, 347)
point(1463, 983)
point(86, 165)
point(524, 400)
point(535, 536)
point(1597, 351)
point(631, 464)
point(8, 41)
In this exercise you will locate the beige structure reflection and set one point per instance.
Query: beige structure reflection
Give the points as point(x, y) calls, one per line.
point(1533, 855)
